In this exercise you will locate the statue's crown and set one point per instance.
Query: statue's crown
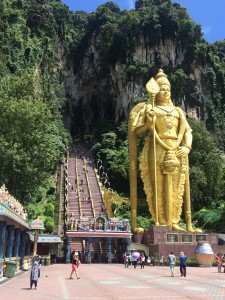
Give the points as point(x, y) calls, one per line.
point(161, 78)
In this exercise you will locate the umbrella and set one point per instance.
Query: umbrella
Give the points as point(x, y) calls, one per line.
point(135, 255)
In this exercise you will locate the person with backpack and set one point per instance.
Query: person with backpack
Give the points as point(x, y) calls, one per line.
point(183, 264)
point(172, 262)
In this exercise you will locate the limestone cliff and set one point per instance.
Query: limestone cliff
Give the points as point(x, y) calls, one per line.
point(108, 79)
point(94, 95)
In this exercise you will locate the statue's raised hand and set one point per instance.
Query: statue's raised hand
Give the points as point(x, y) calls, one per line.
point(150, 113)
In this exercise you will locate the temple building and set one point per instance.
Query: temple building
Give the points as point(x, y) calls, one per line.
point(17, 238)
point(15, 243)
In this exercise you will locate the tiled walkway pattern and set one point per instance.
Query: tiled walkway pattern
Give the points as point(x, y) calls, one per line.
point(102, 281)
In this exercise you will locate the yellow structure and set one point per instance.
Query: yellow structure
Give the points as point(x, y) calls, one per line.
point(163, 162)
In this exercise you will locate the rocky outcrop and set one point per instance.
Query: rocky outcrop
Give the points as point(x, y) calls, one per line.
point(95, 95)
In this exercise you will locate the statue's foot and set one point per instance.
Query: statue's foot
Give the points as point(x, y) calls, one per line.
point(197, 230)
point(190, 228)
point(177, 227)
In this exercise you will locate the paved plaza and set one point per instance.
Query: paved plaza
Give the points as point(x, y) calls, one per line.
point(102, 281)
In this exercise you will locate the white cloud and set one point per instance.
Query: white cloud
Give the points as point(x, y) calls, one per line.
point(130, 4)
point(207, 29)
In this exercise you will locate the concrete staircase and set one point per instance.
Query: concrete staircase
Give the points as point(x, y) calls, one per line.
point(73, 200)
point(84, 194)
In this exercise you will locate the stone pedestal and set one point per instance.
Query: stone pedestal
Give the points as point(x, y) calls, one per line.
point(138, 237)
point(162, 240)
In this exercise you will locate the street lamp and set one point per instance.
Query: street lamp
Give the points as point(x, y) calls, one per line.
point(107, 183)
point(101, 167)
point(104, 174)
point(98, 161)
point(97, 157)
point(36, 225)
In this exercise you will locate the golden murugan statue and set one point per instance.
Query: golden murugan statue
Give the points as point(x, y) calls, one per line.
point(163, 162)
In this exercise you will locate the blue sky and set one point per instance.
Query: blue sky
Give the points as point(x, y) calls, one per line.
point(210, 14)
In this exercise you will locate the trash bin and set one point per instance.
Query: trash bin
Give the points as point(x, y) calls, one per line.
point(10, 268)
point(47, 261)
point(43, 261)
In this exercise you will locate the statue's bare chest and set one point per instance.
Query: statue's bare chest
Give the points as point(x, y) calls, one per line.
point(166, 116)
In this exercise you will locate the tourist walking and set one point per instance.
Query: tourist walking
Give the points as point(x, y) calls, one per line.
point(153, 261)
point(34, 273)
point(218, 262)
point(75, 265)
point(161, 260)
point(135, 261)
point(183, 264)
point(223, 263)
point(142, 259)
point(172, 262)
point(126, 260)
point(130, 259)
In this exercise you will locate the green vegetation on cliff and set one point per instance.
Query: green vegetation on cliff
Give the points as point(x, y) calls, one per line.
point(32, 134)
point(43, 44)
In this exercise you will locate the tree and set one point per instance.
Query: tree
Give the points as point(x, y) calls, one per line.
point(178, 80)
point(49, 224)
point(112, 148)
point(108, 12)
point(210, 219)
point(32, 138)
point(146, 3)
point(49, 210)
point(206, 168)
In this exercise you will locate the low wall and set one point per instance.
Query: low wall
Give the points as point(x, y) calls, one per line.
point(162, 240)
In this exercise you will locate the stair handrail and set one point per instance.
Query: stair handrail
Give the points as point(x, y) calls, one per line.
point(101, 189)
point(60, 208)
point(66, 186)
point(99, 184)
point(78, 189)
point(89, 188)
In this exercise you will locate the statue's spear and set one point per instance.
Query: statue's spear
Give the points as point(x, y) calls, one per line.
point(153, 89)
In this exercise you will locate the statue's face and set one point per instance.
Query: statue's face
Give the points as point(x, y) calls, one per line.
point(164, 94)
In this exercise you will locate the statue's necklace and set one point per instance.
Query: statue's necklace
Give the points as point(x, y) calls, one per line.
point(169, 117)
point(180, 134)
point(168, 109)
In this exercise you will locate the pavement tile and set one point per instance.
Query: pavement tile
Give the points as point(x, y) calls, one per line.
point(102, 282)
